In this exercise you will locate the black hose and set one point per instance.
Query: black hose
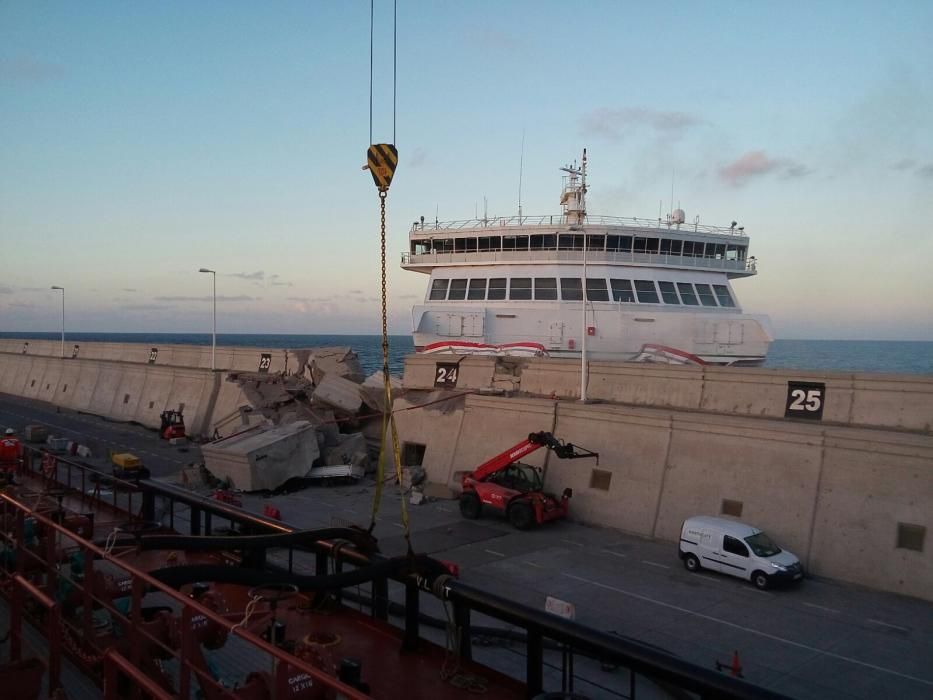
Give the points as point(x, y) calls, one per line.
point(177, 576)
point(361, 539)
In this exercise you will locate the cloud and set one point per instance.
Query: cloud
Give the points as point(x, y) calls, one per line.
point(756, 164)
point(21, 305)
point(126, 289)
point(274, 280)
point(33, 289)
point(355, 291)
point(257, 276)
point(926, 170)
point(409, 296)
point(5, 290)
point(28, 70)
point(418, 157)
point(613, 123)
point(220, 298)
point(147, 307)
point(904, 164)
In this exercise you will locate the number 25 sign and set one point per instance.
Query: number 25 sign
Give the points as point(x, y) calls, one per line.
point(805, 400)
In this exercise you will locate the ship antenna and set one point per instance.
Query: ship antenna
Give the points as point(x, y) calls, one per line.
point(521, 167)
point(670, 214)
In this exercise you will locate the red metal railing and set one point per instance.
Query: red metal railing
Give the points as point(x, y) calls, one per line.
point(38, 573)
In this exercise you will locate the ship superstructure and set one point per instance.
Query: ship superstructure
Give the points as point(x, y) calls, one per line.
point(656, 289)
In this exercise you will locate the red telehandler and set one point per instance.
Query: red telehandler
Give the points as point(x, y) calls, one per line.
point(516, 489)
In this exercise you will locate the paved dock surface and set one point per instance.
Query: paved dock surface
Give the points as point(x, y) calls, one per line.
point(822, 639)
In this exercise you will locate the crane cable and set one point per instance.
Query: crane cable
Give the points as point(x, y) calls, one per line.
point(381, 160)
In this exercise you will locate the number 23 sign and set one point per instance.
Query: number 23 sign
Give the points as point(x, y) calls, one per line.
point(805, 400)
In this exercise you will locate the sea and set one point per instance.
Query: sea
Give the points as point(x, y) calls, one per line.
point(887, 356)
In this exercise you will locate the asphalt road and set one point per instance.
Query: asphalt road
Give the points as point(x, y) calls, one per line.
point(822, 639)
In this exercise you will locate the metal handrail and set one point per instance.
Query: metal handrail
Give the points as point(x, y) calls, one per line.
point(561, 220)
point(592, 256)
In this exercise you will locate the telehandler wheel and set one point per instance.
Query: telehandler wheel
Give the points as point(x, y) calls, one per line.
point(470, 507)
point(521, 516)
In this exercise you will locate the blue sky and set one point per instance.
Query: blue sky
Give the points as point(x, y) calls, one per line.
point(139, 142)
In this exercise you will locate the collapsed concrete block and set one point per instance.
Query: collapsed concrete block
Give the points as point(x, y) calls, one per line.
point(339, 361)
point(338, 392)
point(343, 452)
point(432, 490)
point(259, 459)
point(412, 476)
point(416, 498)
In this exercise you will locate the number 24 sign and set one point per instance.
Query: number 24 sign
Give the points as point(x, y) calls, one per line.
point(805, 400)
point(445, 374)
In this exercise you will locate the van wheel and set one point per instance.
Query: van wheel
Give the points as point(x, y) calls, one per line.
point(691, 563)
point(521, 516)
point(760, 580)
point(470, 506)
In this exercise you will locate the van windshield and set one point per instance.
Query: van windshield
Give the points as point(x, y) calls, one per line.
point(762, 545)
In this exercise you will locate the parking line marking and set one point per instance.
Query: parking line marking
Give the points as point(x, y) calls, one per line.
point(531, 563)
point(750, 630)
point(615, 554)
point(888, 624)
point(820, 607)
point(492, 551)
point(654, 563)
point(575, 544)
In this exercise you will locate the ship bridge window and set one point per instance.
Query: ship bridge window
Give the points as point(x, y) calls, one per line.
point(686, 292)
point(622, 244)
point(718, 251)
point(520, 288)
point(646, 292)
point(490, 243)
point(496, 289)
point(722, 293)
point(735, 252)
point(705, 294)
point(668, 293)
point(569, 241)
point(646, 245)
point(545, 288)
point(622, 291)
point(571, 289)
point(515, 243)
point(547, 241)
point(596, 289)
point(676, 247)
point(477, 289)
point(457, 290)
point(665, 246)
point(693, 249)
point(419, 247)
point(443, 245)
point(595, 242)
point(469, 245)
point(438, 290)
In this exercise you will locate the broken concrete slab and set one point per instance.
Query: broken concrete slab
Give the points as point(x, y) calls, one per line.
point(340, 361)
point(338, 392)
point(343, 452)
point(263, 459)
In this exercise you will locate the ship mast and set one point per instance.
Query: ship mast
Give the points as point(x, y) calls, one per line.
point(573, 197)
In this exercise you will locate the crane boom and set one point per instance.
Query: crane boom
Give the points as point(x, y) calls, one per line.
point(534, 441)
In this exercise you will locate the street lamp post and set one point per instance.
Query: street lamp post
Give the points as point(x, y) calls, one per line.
point(214, 319)
point(62, 290)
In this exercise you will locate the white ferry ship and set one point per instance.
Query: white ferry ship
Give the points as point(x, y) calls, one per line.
point(656, 289)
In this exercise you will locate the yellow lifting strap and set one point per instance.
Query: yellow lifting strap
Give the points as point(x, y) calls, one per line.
point(382, 159)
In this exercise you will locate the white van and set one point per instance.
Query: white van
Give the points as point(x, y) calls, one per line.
point(738, 549)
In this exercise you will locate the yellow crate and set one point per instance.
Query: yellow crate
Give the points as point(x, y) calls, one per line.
point(125, 460)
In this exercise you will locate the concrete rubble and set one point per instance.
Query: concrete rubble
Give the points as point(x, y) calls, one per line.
point(324, 389)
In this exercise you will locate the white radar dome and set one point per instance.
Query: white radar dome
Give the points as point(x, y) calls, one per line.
point(679, 216)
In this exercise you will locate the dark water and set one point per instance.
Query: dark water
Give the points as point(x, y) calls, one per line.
point(895, 356)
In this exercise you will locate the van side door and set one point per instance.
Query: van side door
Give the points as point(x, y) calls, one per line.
point(735, 558)
point(709, 548)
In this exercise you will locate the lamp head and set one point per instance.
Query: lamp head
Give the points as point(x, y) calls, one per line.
point(55, 286)
point(204, 269)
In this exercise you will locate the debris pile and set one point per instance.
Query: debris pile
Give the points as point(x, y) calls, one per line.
point(326, 392)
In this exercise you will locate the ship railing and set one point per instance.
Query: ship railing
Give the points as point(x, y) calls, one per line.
point(537, 635)
point(37, 571)
point(592, 256)
point(426, 227)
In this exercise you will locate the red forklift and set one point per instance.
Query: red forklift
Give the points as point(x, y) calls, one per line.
point(517, 489)
point(173, 425)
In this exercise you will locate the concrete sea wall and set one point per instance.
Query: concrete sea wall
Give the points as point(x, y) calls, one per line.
point(840, 491)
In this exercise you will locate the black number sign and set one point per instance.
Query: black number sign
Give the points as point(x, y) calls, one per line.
point(805, 400)
point(74, 351)
point(153, 354)
point(446, 374)
point(265, 362)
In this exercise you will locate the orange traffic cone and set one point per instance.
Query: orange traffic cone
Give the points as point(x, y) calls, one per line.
point(734, 668)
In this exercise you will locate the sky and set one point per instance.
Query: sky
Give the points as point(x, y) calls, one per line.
point(140, 142)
